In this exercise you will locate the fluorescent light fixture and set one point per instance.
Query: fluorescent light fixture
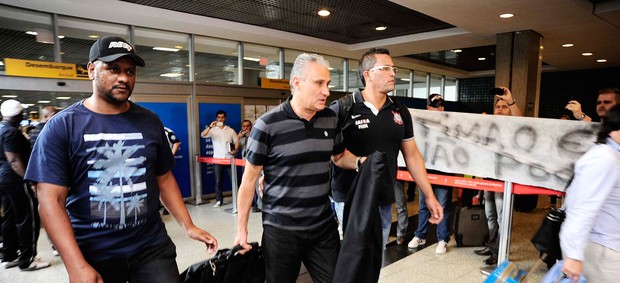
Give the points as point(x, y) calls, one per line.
point(9, 96)
point(330, 68)
point(481, 59)
point(61, 36)
point(251, 59)
point(63, 97)
point(587, 54)
point(601, 60)
point(1, 63)
point(331, 86)
point(568, 45)
point(26, 105)
point(457, 50)
point(32, 32)
point(171, 75)
point(381, 28)
point(178, 46)
point(506, 16)
point(43, 101)
point(406, 80)
point(158, 48)
point(93, 36)
point(324, 13)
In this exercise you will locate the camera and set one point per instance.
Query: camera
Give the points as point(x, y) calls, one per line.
point(219, 124)
point(497, 91)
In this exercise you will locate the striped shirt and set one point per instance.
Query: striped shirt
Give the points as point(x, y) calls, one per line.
point(295, 155)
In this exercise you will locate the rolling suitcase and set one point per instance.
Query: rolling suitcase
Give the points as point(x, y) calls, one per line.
point(471, 227)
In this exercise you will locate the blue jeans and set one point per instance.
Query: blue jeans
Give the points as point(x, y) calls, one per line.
point(285, 250)
point(444, 197)
point(218, 171)
point(339, 210)
point(385, 212)
point(155, 264)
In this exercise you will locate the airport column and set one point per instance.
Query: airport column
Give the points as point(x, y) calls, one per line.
point(518, 62)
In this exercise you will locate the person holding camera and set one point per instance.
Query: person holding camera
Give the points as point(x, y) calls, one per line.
point(224, 139)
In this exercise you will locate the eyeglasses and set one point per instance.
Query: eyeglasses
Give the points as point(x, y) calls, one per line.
point(384, 68)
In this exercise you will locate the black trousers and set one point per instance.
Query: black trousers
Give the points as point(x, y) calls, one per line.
point(21, 224)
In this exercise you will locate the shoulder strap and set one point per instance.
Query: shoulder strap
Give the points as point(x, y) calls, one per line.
point(344, 106)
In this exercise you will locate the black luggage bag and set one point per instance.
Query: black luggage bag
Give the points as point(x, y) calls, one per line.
point(228, 266)
point(470, 228)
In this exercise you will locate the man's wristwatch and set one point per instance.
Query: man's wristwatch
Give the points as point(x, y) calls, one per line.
point(583, 116)
point(512, 103)
point(358, 164)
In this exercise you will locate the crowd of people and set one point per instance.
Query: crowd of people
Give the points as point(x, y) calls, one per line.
point(86, 172)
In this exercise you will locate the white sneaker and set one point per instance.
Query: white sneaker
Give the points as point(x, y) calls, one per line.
point(218, 203)
point(415, 242)
point(441, 247)
point(36, 264)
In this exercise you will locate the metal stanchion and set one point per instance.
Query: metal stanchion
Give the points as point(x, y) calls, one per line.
point(233, 182)
point(505, 227)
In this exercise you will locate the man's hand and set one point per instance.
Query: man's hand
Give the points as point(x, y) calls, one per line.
point(85, 274)
point(575, 107)
point(435, 209)
point(203, 236)
point(242, 239)
point(507, 96)
point(572, 268)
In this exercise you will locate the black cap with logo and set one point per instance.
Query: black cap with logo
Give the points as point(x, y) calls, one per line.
point(110, 48)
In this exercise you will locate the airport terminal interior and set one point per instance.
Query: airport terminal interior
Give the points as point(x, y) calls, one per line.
point(203, 56)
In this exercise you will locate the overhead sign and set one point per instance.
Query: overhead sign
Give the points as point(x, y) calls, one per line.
point(275, 83)
point(44, 69)
point(529, 151)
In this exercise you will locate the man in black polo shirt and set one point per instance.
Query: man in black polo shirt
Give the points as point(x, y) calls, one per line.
point(378, 122)
point(293, 144)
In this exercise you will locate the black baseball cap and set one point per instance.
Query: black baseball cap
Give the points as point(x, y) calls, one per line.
point(110, 48)
point(435, 100)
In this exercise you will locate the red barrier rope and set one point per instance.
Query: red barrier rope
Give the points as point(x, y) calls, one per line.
point(435, 179)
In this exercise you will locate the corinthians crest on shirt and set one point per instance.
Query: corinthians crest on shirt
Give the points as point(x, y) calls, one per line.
point(397, 118)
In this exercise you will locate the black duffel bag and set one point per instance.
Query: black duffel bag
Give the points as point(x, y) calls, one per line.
point(228, 266)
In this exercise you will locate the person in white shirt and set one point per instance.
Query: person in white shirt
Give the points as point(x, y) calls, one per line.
point(590, 235)
point(224, 139)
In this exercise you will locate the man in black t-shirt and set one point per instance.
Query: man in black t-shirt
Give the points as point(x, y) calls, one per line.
point(20, 205)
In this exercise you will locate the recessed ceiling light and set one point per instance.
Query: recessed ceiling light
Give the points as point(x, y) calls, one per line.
point(9, 96)
point(381, 28)
point(601, 60)
point(43, 101)
point(506, 16)
point(481, 59)
point(93, 36)
point(251, 59)
point(171, 75)
point(324, 13)
point(568, 45)
point(32, 32)
point(587, 54)
point(158, 48)
point(457, 50)
point(178, 46)
point(61, 36)
point(405, 80)
point(63, 97)
point(1, 63)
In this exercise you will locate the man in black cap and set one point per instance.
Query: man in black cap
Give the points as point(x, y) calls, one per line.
point(20, 225)
point(101, 167)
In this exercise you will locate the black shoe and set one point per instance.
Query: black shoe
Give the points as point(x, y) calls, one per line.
point(400, 240)
point(484, 251)
point(256, 209)
point(490, 261)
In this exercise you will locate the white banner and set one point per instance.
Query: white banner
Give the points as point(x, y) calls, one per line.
point(530, 151)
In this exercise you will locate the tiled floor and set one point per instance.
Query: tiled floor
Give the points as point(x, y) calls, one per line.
point(459, 264)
